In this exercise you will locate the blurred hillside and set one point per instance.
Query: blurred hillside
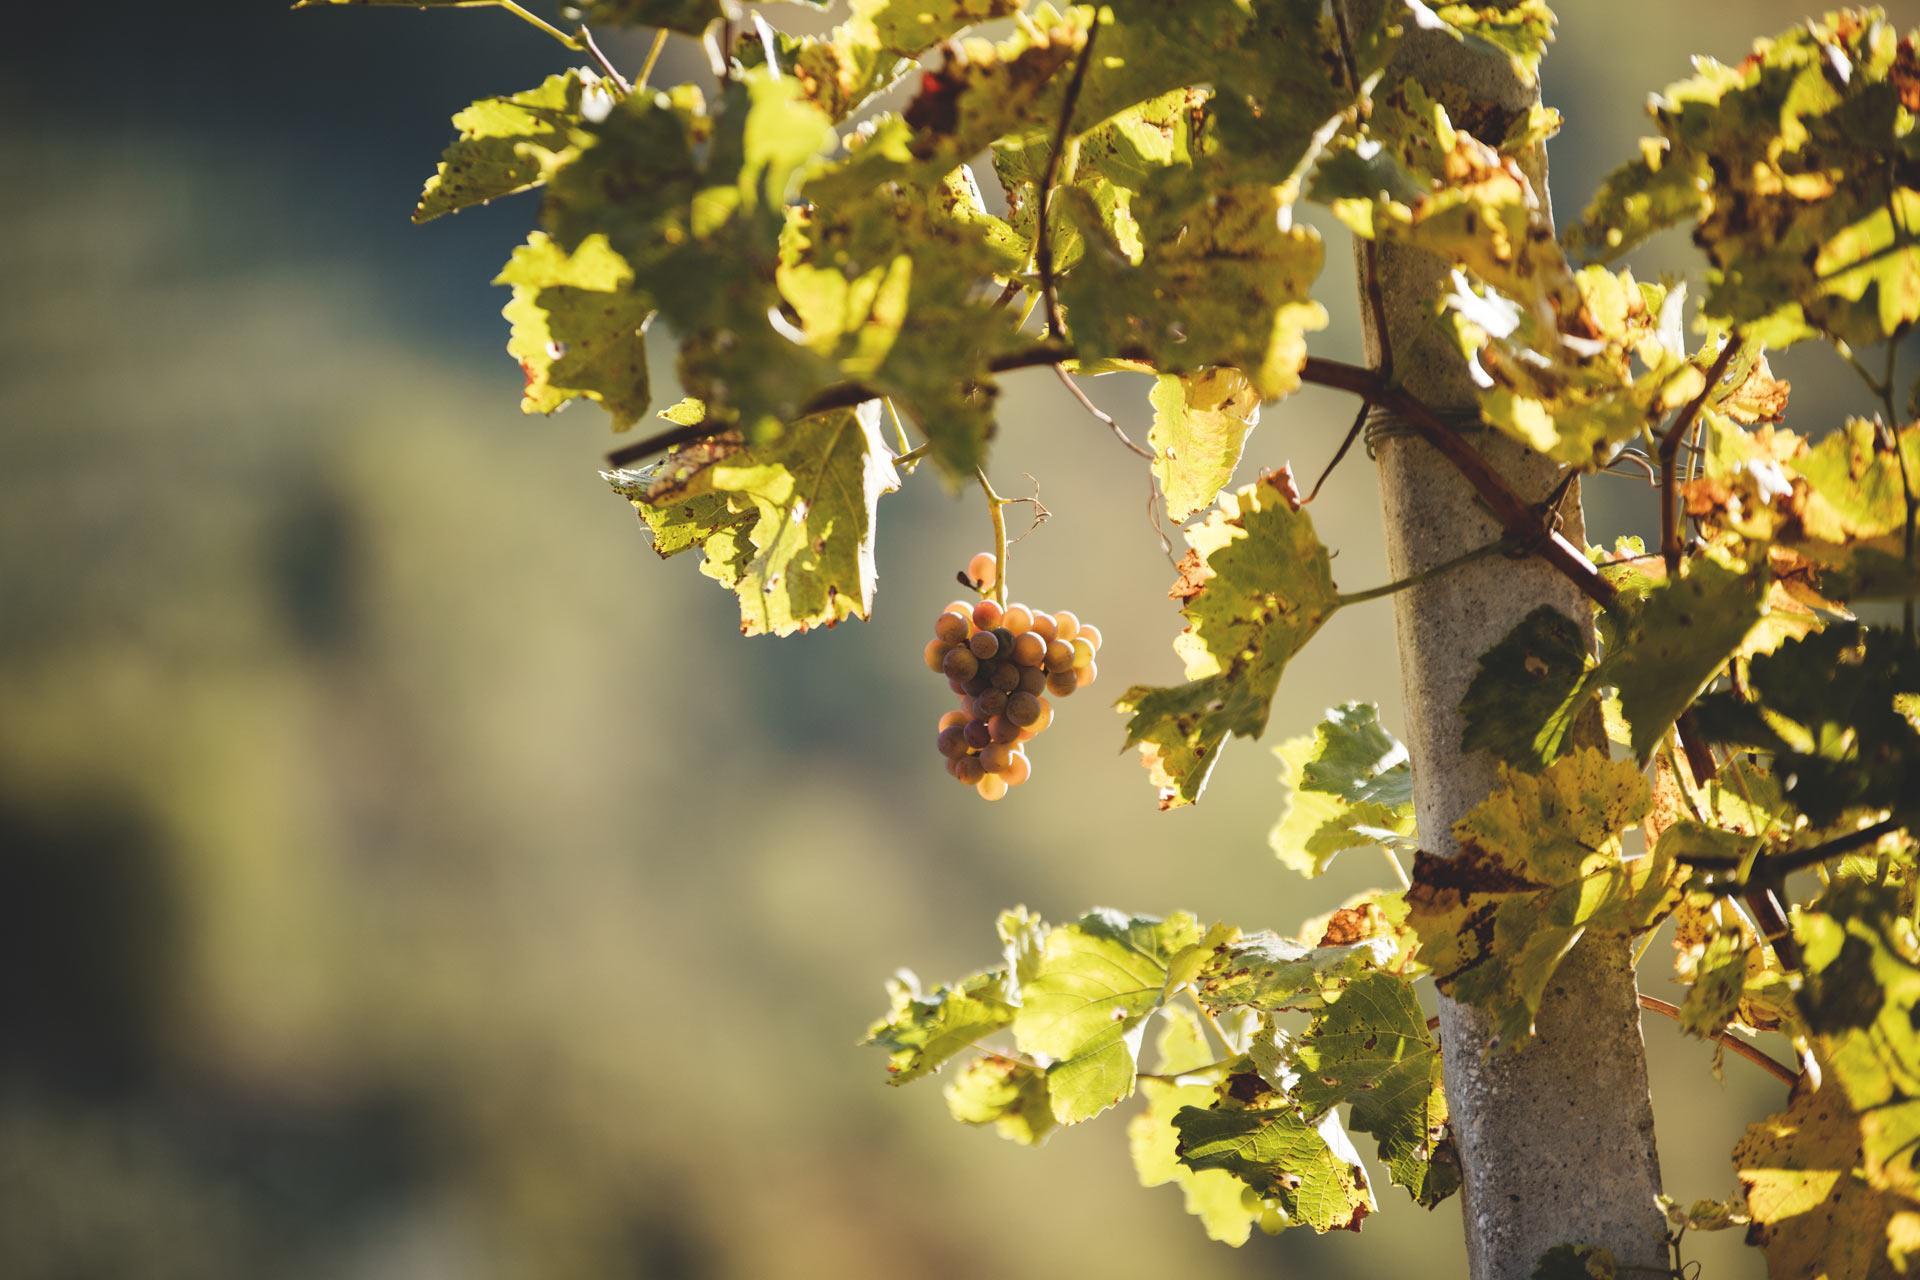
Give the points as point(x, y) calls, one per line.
point(403, 874)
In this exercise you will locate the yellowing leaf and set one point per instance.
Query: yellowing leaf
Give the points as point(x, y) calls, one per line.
point(787, 526)
point(1200, 425)
point(509, 144)
point(1257, 585)
point(1352, 785)
point(579, 328)
point(1539, 864)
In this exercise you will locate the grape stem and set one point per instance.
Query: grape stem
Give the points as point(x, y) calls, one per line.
point(996, 512)
point(1043, 240)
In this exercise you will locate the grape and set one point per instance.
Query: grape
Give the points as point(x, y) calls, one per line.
point(1091, 634)
point(986, 615)
point(979, 684)
point(997, 757)
point(953, 742)
point(978, 734)
point(962, 608)
point(1087, 675)
point(991, 787)
point(1082, 652)
point(1017, 619)
point(983, 645)
point(936, 655)
point(1065, 625)
point(984, 569)
point(954, 719)
point(1029, 650)
point(1043, 626)
point(958, 686)
point(960, 664)
point(1002, 729)
point(989, 704)
point(950, 628)
point(1046, 716)
point(1061, 684)
point(1018, 769)
point(1006, 677)
point(1059, 656)
point(1024, 709)
point(969, 769)
point(1032, 680)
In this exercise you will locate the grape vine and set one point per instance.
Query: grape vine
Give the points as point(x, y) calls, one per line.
point(1739, 753)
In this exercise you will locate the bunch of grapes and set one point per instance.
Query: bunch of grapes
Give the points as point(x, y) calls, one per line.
point(1004, 663)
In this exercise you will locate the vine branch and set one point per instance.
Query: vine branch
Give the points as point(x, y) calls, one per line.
point(1785, 864)
point(1785, 1075)
point(1043, 239)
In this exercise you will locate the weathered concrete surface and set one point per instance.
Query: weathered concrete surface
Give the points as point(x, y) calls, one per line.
point(1556, 1141)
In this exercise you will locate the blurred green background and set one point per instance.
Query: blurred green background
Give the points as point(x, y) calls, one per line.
point(405, 874)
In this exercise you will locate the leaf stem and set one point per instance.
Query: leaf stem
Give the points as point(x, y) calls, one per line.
point(1785, 1075)
point(1399, 870)
point(542, 24)
point(1049, 176)
point(1086, 402)
point(653, 59)
point(585, 37)
point(1415, 579)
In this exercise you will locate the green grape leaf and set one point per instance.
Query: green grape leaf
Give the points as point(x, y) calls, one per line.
point(696, 206)
point(1797, 167)
point(1372, 1049)
point(1256, 584)
point(1266, 972)
point(1813, 1211)
point(579, 328)
point(1222, 280)
point(876, 45)
point(1678, 640)
point(1007, 1094)
point(1539, 864)
point(691, 17)
point(1647, 195)
point(1086, 1005)
point(1825, 706)
point(508, 145)
point(786, 526)
point(1200, 425)
point(1352, 785)
point(1861, 1000)
point(1530, 689)
point(920, 1031)
point(1310, 1170)
point(1227, 1207)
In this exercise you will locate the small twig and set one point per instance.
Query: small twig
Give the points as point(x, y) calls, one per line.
point(1430, 572)
point(1785, 864)
point(585, 37)
point(653, 59)
point(912, 455)
point(1785, 1075)
point(1670, 547)
point(1353, 433)
point(1399, 868)
point(1043, 239)
point(1086, 402)
point(540, 23)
